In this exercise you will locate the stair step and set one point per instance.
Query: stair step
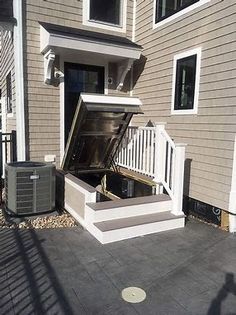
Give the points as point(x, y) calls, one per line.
point(134, 221)
point(121, 229)
point(127, 202)
point(126, 208)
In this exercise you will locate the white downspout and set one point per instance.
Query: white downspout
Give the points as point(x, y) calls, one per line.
point(134, 20)
point(19, 80)
point(133, 40)
point(232, 196)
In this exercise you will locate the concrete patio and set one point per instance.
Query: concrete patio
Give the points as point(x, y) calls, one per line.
point(66, 271)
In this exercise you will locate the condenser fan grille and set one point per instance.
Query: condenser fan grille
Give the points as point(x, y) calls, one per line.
point(30, 187)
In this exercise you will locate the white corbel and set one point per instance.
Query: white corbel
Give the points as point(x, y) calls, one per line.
point(123, 69)
point(49, 59)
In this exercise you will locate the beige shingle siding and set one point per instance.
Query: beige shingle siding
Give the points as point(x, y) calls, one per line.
point(210, 134)
point(7, 65)
point(44, 101)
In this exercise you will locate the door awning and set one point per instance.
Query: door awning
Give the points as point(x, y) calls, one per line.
point(54, 39)
point(56, 36)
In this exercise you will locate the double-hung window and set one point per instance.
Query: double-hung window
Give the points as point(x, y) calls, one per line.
point(107, 14)
point(186, 77)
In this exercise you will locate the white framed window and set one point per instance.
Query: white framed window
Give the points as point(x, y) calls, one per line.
point(185, 83)
point(166, 11)
point(105, 14)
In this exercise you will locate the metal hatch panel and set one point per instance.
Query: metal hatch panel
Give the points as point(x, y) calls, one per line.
point(98, 126)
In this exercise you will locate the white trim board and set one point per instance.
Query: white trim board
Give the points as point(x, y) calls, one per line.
point(198, 52)
point(19, 81)
point(121, 28)
point(118, 100)
point(175, 15)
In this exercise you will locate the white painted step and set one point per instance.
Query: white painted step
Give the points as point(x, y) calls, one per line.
point(120, 229)
point(125, 208)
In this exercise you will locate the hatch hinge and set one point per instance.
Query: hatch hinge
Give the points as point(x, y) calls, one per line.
point(123, 69)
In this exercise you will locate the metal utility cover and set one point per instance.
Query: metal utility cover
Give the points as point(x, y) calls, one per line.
point(99, 124)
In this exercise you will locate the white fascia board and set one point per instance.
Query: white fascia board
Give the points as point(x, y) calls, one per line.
point(94, 47)
point(49, 41)
point(105, 99)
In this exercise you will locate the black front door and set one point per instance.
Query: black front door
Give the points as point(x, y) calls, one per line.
point(80, 78)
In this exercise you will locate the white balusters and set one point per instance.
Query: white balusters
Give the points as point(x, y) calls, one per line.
point(151, 151)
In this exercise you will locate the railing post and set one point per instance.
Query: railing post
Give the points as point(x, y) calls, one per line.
point(178, 182)
point(13, 146)
point(159, 163)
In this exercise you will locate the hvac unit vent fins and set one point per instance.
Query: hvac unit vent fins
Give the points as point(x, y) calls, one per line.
point(30, 187)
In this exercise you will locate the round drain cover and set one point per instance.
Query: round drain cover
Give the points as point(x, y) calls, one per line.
point(133, 295)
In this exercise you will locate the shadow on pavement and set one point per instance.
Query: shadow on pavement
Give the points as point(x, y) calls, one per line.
point(229, 287)
point(28, 283)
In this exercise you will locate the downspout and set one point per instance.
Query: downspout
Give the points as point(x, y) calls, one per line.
point(133, 40)
point(232, 196)
point(19, 79)
point(134, 20)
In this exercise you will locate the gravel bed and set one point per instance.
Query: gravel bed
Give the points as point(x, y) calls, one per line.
point(48, 221)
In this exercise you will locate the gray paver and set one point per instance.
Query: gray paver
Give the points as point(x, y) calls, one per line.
point(66, 271)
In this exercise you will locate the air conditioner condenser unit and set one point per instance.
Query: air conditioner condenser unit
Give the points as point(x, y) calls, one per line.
point(30, 187)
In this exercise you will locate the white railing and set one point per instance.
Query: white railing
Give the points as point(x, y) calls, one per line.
point(137, 151)
point(151, 151)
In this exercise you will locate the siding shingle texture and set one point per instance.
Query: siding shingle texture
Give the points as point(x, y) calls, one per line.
point(209, 134)
point(44, 101)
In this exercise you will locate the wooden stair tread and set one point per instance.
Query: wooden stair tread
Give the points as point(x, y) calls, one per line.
point(110, 225)
point(127, 202)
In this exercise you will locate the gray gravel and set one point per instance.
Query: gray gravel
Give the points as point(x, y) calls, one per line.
point(49, 221)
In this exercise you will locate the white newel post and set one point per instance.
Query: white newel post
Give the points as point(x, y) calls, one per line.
point(178, 182)
point(232, 195)
point(159, 163)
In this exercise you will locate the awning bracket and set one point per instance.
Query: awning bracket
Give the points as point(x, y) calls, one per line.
point(123, 69)
point(49, 59)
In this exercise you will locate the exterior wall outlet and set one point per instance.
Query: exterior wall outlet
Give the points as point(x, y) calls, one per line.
point(50, 158)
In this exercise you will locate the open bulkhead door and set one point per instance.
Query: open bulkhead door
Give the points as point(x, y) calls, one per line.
point(99, 124)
